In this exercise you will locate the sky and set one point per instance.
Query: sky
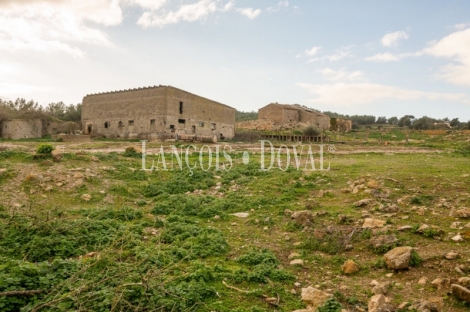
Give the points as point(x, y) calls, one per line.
point(382, 58)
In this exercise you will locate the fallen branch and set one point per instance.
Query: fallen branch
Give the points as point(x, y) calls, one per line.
point(235, 288)
point(20, 293)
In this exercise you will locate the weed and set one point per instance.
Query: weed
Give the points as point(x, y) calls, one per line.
point(330, 305)
point(415, 259)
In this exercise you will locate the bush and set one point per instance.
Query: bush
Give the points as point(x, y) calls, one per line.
point(311, 131)
point(45, 149)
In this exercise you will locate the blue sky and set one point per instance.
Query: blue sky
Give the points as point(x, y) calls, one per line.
point(386, 58)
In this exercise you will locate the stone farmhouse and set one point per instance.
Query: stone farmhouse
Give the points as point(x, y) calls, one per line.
point(277, 116)
point(154, 113)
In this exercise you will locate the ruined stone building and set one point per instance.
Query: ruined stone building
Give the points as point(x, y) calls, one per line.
point(16, 129)
point(340, 124)
point(153, 112)
point(276, 116)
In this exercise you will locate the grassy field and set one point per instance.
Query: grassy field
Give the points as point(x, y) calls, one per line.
point(95, 233)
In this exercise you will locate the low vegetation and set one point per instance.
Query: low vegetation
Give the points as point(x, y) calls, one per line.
point(95, 233)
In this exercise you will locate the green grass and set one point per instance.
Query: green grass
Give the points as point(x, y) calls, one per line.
point(170, 241)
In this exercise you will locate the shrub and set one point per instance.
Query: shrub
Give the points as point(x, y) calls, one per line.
point(330, 305)
point(45, 149)
point(311, 131)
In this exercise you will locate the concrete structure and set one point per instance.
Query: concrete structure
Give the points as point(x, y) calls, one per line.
point(277, 116)
point(23, 128)
point(155, 112)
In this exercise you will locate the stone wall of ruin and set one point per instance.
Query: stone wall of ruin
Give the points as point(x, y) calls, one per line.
point(271, 112)
point(148, 113)
point(290, 115)
point(22, 129)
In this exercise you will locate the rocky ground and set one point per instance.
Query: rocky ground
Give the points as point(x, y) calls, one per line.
point(380, 231)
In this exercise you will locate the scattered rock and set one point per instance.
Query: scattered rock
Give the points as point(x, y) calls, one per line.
point(462, 213)
point(293, 255)
point(405, 228)
point(56, 155)
point(376, 303)
point(373, 184)
point(86, 197)
point(78, 175)
point(398, 258)
point(304, 217)
point(297, 262)
point(451, 255)
point(370, 223)
point(389, 208)
point(216, 218)
point(461, 292)
point(430, 305)
point(314, 297)
point(457, 238)
point(440, 283)
point(241, 214)
point(381, 288)
point(365, 202)
point(464, 281)
point(383, 242)
point(350, 267)
point(423, 281)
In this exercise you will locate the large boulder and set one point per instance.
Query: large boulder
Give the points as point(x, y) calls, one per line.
point(398, 258)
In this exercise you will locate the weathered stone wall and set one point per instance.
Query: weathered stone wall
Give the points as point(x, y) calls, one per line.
point(290, 115)
point(22, 129)
point(69, 127)
point(193, 114)
point(148, 113)
point(271, 112)
point(260, 124)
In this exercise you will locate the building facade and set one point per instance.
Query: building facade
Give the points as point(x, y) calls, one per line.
point(153, 112)
point(277, 116)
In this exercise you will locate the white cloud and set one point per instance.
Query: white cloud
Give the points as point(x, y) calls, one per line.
point(342, 74)
point(347, 94)
point(461, 26)
point(249, 12)
point(47, 26)
point(338, 55)
point(148, 4)
point(390, 40)
point(228, 6)
point(189, 13)
point(312, 51)
point(389, 57)
point(455, 47)
point(383, 57)
point(278, 7)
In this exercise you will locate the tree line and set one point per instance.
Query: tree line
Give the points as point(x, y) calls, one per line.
point(22, 109)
